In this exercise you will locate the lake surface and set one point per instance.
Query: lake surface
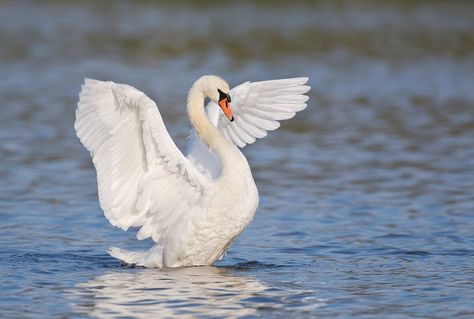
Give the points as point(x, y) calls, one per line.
point(367, 196)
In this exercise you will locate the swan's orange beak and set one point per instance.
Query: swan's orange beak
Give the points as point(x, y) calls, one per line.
point(224, 103)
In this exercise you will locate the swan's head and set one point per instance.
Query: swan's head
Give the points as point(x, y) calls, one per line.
point(218, 91)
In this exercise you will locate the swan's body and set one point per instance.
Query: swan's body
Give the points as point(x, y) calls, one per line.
point(194, 206)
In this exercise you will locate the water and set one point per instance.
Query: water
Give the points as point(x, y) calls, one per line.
point(367, 201)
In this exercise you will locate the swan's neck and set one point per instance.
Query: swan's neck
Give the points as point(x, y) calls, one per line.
point(207, 132)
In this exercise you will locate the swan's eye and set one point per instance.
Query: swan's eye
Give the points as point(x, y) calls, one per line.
point(228, 98)
point(222, 95)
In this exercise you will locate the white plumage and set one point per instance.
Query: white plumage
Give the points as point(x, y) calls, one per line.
point(192, 207)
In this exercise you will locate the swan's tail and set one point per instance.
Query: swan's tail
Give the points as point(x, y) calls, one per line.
point(151, 258)
point(127, 256)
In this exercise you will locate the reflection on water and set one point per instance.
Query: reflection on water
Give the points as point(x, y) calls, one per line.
point(212, 291)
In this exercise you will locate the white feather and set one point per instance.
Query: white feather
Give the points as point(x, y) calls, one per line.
point(123, 130)
point(257, 107)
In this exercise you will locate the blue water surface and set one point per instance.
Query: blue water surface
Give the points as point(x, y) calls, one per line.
point(367, 201)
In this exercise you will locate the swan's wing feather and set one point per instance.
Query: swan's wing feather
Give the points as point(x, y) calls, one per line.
point(259, 106)
point(143, 179)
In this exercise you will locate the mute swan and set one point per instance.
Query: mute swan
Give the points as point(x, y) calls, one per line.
point(192, 207)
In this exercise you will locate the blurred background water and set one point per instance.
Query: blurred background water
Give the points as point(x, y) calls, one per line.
point(367, 200)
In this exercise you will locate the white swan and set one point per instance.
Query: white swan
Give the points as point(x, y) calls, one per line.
point(192, 207)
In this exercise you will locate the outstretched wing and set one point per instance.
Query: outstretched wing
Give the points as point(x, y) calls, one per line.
point(143, 178)
point(259, 106)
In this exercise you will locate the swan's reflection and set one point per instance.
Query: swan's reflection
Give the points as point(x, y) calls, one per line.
point(145, 293)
